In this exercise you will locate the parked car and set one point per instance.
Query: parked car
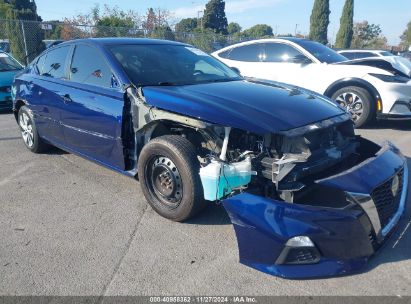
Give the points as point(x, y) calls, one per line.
point(359, 54)
point(5, 45)
point(367, 88)
point(406, 55)
point(399, 62)
point(306, 196)
point(8, 69)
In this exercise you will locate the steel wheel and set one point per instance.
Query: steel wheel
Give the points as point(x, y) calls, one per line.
point(165, 181)
point(26, 129)
point(352, 103)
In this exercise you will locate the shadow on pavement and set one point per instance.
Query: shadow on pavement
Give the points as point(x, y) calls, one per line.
point(402, 125)
point(55, 151)
point(212, 215)
point(6, 112)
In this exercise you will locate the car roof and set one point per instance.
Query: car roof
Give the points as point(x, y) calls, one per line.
point(362, 51)
point(118, 41)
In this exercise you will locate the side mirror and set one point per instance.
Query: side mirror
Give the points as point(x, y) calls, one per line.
point(236, 70)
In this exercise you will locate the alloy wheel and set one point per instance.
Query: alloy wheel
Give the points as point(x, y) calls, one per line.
point(352, 103)
point(26, 129)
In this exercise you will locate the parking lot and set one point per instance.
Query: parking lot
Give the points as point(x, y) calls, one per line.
point(71, 227)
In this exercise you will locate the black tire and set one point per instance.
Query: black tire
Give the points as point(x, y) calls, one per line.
point(176, 159)
point(26, 122)
point(369, 105)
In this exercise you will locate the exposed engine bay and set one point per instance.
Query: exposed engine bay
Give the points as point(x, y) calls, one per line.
point(284, 166)
point(281, 166)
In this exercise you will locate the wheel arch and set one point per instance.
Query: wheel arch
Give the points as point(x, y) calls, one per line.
point(17, 105)
point(358, 82)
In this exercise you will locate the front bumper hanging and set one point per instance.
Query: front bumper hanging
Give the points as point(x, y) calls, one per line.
point(300, 241)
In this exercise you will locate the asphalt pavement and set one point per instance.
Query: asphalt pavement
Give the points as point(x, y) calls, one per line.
point(71, 227)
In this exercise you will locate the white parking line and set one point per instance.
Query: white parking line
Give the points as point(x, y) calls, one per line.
point(402, 234)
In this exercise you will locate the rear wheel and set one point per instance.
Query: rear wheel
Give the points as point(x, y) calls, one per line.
point(29, 131)
point(169, 176)
point(358, 102)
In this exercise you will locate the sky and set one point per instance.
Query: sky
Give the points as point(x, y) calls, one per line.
point(284, 16)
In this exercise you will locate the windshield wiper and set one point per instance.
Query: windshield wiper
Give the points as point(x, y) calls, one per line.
point(223, 79)
point(166, 83)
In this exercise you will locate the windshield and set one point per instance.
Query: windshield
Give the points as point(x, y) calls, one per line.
point(321, 52)
point(7, 63)
point(156, 64)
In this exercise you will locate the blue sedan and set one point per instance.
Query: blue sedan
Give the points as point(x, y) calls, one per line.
point(9, 67)
point(306, 196)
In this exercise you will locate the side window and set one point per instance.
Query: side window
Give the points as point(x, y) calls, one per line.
point(349, 55)
point(225, 54)
point(250, 53)
point(89, 67)
point(279, 52)
point(366, 55)
point(54, 63)
point(40, 64)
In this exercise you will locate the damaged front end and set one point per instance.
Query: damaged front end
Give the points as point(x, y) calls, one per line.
point(312, 201)
point(309, 202)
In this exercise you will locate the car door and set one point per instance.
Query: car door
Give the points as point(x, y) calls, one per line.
point(48, 86)
point(92, 114)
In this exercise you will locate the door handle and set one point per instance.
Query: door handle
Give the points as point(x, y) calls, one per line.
point(66, 98)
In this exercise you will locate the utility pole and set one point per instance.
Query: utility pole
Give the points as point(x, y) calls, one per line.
point(295, 32)
point(25, 41)
point(200, 20)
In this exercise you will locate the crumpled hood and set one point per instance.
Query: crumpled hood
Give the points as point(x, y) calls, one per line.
point(252, 106)
point(388, 63)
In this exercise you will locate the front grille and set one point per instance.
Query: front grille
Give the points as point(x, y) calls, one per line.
point(386, 204)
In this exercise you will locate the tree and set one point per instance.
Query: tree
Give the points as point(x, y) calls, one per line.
point(345, 33)
point(186, 25)
point(26, 38)
point(367, 35)
point(233, 28)
point(406, 37)
point(162, 32)
point(319, 21)
point(112, 21)
point(155, 18)
point(214, 17)
point(202, 39)
point(258, 31)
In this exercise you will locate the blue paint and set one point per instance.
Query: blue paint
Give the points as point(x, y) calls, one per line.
point(245, 105)
point(90, 125)
point(263, 225)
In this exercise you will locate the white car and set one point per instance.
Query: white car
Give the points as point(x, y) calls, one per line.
point(402, 63)
point(359, 54)
point(367, 88)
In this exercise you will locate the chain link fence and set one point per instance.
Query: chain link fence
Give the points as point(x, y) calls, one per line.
point(26, 39)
